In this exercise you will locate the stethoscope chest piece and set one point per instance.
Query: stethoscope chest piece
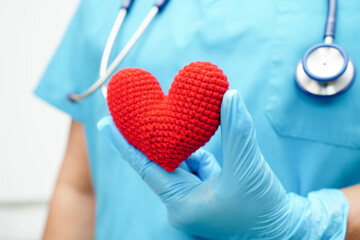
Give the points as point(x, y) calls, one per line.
point(325, 70)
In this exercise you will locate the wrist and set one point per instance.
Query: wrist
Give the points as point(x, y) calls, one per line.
point(321, 215)
point(353, 222)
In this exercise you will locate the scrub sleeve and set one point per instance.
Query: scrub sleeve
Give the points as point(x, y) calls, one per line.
point(72, 69)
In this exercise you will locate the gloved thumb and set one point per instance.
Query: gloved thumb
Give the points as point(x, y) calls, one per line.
point(203, 164)
point(237, 133)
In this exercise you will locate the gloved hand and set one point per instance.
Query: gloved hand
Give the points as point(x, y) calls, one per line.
point(243, 201)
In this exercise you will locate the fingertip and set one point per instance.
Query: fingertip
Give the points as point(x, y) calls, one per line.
point(209, 167)
point(105, 127)
point(228, 98)
point(203, 164)
point(230, 93)
point(232, 99)
point(184, 166)
point(228, 108)
point(234, 112)
point(112, 135)
point(105, 124)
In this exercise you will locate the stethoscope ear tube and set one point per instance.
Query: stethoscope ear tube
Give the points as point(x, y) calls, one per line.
point(106, 72)
point(331, 20)
point(127, 4)
point(160, 4)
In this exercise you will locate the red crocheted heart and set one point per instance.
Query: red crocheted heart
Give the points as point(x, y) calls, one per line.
point(168, 129)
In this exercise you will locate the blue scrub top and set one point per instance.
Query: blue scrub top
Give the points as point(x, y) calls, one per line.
point(310, 143)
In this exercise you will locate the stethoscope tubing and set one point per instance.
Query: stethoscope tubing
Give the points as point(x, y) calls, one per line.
point(147, 20)
point(331, 19)
point(105, 72)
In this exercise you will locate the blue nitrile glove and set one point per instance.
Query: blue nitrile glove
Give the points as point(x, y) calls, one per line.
point(245, 200)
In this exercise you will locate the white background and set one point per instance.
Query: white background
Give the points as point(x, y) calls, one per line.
point(32, 133)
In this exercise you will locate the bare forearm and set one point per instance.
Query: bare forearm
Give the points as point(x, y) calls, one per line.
point(353, 225)
point(71, 214)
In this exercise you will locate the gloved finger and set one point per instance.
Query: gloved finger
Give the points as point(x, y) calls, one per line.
point(108, 130)
point(163, 183)
point(185, 166)
point(203, 164)
point(237, 133)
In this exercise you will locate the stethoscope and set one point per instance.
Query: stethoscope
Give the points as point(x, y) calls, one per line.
point(326, 70)
point(106, 71)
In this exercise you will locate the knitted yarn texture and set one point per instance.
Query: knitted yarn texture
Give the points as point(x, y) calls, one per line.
point(168, 129)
